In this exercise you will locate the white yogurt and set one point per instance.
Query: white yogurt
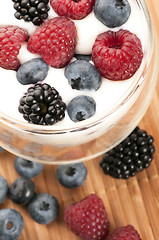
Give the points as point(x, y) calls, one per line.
point(107, 97)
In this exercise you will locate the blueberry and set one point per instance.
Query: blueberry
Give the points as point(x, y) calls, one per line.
point(71, 175)
point(11, 224)
point(3, 189)
point(81, 108)
point(22, 190)
point(82, 75)
point(27, 168)
point(44, 208)
point(32, 71)
point(112, 13)
point(1, 149)
point(83, 57)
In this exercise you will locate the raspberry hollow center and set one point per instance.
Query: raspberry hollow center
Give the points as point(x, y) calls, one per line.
point(77, 1)
point(115, 43)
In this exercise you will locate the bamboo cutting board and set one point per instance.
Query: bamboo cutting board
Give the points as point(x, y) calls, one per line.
point(134, 201)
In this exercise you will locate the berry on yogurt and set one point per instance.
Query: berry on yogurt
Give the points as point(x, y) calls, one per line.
point(54, 41)
point(112, 13)
point(42, 105)
point(11, 39)
point(46, 57)
point(32, 71)
point(81, 108)
point(117, 55)
point(72, 9)
point(83, 57)
point(31, 10)
point(82, 75)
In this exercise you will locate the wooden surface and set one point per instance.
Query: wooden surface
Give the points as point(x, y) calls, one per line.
point(135, 201)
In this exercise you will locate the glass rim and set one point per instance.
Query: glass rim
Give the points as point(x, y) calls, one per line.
point(41, 129)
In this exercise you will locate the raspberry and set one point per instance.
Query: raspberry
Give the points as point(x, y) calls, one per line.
point(117, 55)
point(88, 218)
point(132, 155)
point(75, 9)
point(124, 233)
point(54, 41)
point(11, 38)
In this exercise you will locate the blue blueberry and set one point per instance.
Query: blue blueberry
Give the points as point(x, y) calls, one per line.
point(83, 57)
point(27, 168)
point(1, 149)
point(71, 175)
point(81, 107)
point(22, 190)
point(112, 13)
point(11, 224)
point(82, 75)
point(44, 208)
point(3, 189)
point(32, 71)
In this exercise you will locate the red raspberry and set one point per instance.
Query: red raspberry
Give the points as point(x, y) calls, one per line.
point(11, 38)
point(88, 218)
point(117, 55)
point(75, 9)
point(54, 41)
point(124, 233)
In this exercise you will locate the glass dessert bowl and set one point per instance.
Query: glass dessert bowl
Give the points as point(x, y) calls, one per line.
point(120, 105)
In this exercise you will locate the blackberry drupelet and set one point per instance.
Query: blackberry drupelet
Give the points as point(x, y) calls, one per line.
point(132, 155)
point(42, 105)
point(35, 11)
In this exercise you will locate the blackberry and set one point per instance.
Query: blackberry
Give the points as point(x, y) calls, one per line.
point(132, 155)
point(42, 105)
point(35, 11)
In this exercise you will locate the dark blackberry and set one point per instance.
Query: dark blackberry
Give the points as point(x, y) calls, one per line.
point(129, 157)
point(42, 105)
point(31, 10)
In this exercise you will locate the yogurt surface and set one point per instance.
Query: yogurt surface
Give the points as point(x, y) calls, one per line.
point(107, 97)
